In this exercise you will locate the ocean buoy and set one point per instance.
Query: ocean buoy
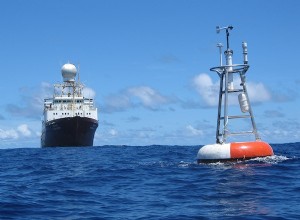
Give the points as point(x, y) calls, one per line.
point(233, 151)
point(222, 151)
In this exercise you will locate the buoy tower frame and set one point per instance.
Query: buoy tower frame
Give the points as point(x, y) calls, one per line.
point(225, 73)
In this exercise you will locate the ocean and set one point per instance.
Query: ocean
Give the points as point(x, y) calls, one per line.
point(146, 182)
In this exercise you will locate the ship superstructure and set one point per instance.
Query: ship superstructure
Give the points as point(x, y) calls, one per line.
point(70, 119)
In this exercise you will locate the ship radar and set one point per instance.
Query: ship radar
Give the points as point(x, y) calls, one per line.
point(69, 72)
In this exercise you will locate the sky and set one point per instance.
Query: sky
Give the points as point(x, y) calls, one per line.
point(147, 64)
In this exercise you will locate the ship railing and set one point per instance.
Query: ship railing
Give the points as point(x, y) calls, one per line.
point(69, 107)
point(48, 108)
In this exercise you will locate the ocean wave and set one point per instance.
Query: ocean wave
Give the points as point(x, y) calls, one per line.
point(271, 159)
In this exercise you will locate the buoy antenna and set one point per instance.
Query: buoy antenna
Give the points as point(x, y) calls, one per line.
point(219, 45)
point(227, 28)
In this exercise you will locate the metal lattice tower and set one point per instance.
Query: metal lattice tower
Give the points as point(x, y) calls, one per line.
point(226, 74)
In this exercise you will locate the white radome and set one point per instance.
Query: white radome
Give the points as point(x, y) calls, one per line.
point(68, 72)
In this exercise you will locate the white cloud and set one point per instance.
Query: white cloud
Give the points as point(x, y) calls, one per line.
point(88, 93)
point(193, 131)
point(209, 90)
point(9, 134)
point(15, 133)
point(31, 101)
point(24, 130)
point(284, 130)
point(133, 97)
point(257, 92)
point(107, 136)
point(115, 103)
point(113, 132)
point(148, 96)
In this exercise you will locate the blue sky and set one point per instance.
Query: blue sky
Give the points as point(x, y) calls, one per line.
point(147, 62)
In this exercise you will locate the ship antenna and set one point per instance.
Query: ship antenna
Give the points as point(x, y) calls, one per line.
point(78, 80)
point(78, 76)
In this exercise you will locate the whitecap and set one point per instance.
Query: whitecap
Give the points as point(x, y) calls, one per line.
point(271, 159)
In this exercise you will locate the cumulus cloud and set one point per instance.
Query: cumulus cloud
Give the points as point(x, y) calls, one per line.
point(116, 103)
point(107, 136)
point(193, 131)
point(15, 133)
point(257, 92)
point(206, 89)
point(21, 131)
point(31, 104)
point(8, 134)
point(147, 96)
point(24, 130)
point(209, 90)
point(281, 130)
point(143, 96)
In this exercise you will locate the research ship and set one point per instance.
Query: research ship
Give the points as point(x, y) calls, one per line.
point(70, 119)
